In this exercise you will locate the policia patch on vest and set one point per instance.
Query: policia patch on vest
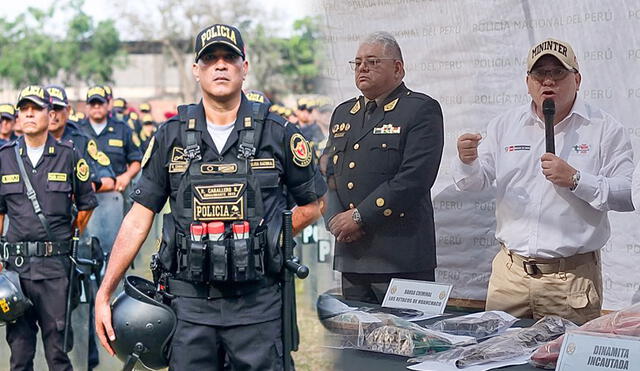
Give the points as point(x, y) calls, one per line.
point(82, 170)
point(300, 150)
point(207, 205)
point(147, 153)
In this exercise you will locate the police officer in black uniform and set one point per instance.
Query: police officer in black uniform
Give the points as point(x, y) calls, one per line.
point(383, 156)
point(40, 231)
point(118, 142)
point(102, 175)
point(223, 162)
point(7, 121)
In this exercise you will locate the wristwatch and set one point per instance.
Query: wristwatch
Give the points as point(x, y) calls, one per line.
point(356, 217)
point(575, 179)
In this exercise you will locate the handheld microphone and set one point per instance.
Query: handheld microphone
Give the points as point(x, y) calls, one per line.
point(549, 111)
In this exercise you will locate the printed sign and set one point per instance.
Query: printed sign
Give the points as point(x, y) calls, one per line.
point(587, 351)
point(427, 297)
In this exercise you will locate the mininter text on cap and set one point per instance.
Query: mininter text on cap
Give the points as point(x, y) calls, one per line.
point(561, 50)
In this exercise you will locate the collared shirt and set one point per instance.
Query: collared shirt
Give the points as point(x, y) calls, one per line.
point(535, 217)
point(52, 178)
point(117, 141)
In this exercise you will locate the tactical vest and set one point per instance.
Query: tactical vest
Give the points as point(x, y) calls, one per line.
point(224, 191)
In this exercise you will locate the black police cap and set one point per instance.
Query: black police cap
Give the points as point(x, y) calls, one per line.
point(219, 34)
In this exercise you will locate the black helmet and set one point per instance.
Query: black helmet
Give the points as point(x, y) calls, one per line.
point(143, 326)
point(13, 303)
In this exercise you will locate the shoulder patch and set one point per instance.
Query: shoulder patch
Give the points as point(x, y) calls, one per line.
point(92, 149)
point(103, 159)
point(147, 153)
point(300, 150)
point(82, 170)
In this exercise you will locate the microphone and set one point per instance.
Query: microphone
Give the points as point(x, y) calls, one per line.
point(549, 111)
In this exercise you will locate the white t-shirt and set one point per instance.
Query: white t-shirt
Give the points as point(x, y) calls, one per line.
point(98, 128)
point(220, 134)
point(35, 153)
point(534, 217)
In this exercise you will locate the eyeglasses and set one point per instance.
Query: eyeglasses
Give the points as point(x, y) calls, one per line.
point(368, 62)
point(555, 74)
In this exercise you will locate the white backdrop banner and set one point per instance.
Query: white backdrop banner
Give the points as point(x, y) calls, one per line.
point(471, 57)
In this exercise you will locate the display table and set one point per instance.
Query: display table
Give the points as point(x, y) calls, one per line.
point(354, 359)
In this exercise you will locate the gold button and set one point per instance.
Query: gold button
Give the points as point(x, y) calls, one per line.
point(380, 202)
point(384, 145)
point(350, 185)
point(387, 212)
point(335, 159)
point(356, 146)
point(402, 215)
point(351, 206)
point(352, 165)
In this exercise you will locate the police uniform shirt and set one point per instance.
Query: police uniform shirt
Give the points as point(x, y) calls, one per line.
point(99, 163)
point(281, 159)
point(385, 167)
point(51, 178)
point(535, 217)
point(117, 141)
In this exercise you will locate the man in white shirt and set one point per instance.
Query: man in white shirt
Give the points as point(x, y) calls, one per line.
point(551, 210)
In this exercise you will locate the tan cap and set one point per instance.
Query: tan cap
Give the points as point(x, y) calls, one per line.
point(559, 49)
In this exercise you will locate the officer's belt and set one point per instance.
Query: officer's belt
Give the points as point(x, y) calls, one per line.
point(204, 291)
point(37, 248)
point(534, 266)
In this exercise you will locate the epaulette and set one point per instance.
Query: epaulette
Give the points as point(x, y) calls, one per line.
point(64, 143)
point(8, 145)
point(350, 101)
point(415, 94)
point(272, 116)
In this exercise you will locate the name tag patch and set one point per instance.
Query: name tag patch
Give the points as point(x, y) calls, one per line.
point(116, 143)
point(218, 168)
point(11, 178)
point(518, 147)
point(387, 129)
point(263, 163)
point(57, 177)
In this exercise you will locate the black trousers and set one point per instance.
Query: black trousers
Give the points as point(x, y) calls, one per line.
point(246, 348)
point(371, 287)
point(49, 304)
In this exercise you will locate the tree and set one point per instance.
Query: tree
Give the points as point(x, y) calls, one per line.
point(175, 23)
point(31, 54)
point(303, 55)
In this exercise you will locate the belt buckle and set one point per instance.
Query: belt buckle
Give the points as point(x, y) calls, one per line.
point(32, 248)
point(530, 267)
point(48, 248)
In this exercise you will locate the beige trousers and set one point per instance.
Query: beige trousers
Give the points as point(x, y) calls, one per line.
point(573, 293)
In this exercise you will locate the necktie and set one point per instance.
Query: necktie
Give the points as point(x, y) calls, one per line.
point(369, 108)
